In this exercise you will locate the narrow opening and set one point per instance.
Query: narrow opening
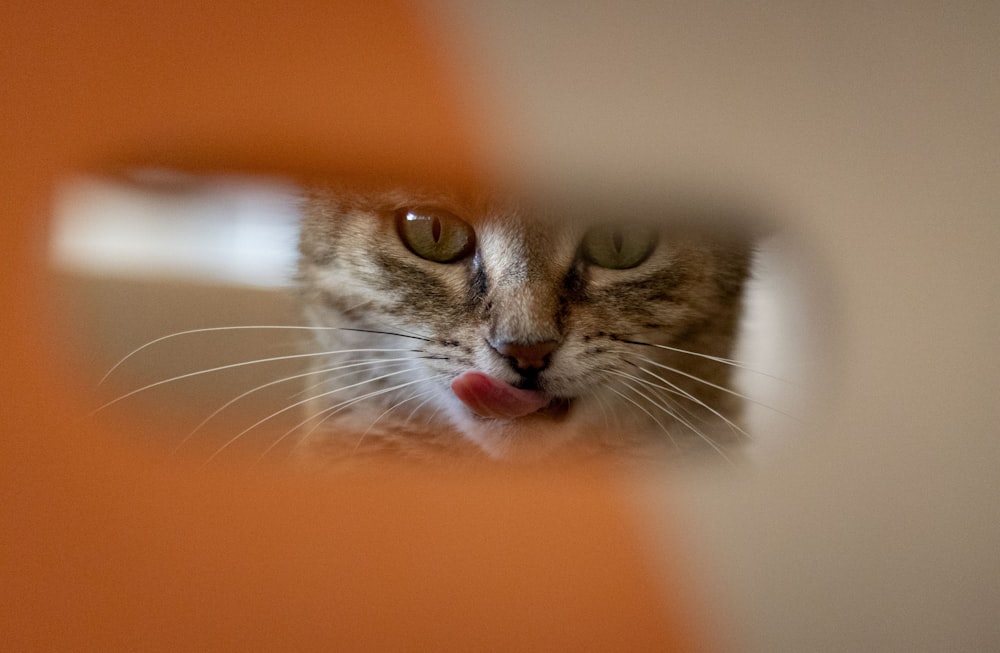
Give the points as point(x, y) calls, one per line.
point(188, 307)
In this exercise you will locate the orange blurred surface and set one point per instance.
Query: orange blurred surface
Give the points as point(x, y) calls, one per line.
point(103, 548)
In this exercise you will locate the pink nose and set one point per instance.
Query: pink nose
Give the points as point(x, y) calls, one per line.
point(528, 356)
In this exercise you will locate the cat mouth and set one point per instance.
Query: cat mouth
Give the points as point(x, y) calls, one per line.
point(489, 397)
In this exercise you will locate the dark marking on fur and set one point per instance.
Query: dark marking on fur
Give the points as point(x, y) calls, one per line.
point(478, 283)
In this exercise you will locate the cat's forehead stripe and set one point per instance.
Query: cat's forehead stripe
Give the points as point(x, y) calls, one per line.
point(520, 253)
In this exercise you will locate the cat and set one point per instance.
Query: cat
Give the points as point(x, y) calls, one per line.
point(476, 324)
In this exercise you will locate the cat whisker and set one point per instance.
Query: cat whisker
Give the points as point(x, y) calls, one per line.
point(187, 332)
point(604, 411)
point(230, 366)
point(372, 362)
point(397, 329)
point(714, 385)
point(285, 379)
point(717, 359)
point(656, 396)
point(673, 414)
point(677, 390)
point(433, 416)
point(409, 418)
point(674, 407)
point(645, 410)
point(322, 416)
point(332, 410)
point(388, 333)
point(394, 407)
point(296, 404)
point(663, 390)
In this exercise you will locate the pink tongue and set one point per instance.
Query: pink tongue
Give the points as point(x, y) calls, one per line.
point(489, 397)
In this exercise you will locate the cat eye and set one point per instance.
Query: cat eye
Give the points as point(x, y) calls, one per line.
point(618, 247)
point(435, 234)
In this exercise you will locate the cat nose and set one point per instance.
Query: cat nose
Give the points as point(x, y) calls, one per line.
point(528, 356)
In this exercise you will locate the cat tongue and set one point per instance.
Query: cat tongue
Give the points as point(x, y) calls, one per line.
point(489, 397)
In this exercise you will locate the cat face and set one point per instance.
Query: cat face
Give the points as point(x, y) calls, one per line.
point(453, 321)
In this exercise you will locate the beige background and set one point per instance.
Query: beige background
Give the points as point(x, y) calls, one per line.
point(873, 129)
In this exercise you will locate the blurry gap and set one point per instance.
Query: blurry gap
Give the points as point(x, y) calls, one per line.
point(154, 252)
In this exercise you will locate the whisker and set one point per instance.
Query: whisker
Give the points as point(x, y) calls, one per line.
point(333, 410)
point(277, 382)
point(372, 362)
point(394, 407)
point(718, 359)
point(643, 409)
point(419, 406)
point(240, 364)
point(675, 389)
point(433, 416)
point(187, 332)
point(603, 406)
point(387, 333)
point(665, 404)
point(329, 412)
point(715, 385)
point(680, 419)
point(666, 390)
point(604, 411)
point(671, 410)
point(295, 405)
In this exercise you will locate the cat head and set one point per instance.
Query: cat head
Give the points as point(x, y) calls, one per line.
point(528, 325)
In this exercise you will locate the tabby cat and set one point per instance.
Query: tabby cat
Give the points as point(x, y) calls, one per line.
point(475, 325)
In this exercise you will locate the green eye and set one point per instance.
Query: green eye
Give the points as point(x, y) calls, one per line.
point(435, 235)
point(618, 247)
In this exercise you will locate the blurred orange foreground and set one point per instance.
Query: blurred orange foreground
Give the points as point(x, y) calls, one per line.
point(104, 549)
